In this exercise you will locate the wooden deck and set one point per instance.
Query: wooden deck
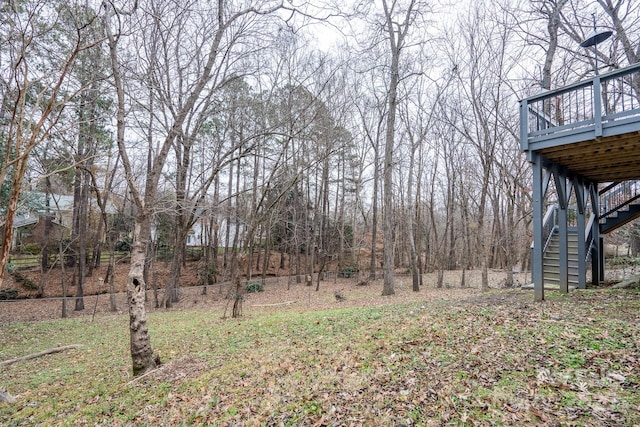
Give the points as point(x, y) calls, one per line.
point(577, 138)
point(591, 128)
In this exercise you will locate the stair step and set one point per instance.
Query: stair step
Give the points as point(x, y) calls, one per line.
point(550, 287)
point(557, 282)
point(556, 273)
point(556, 264)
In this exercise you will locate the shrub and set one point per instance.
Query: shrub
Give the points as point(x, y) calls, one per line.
point(253, 287)
point(31, 249)
point(349, 271)
point(124, 245)
point(207, 276)
point(24, 280)
point(8, 293)
point(193, 254)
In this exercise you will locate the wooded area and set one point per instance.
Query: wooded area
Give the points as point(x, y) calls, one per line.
point(371, 137)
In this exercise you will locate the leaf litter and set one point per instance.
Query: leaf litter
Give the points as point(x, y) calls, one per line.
point(486, 359)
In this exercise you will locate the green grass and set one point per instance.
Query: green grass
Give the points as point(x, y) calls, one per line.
point(571, 361)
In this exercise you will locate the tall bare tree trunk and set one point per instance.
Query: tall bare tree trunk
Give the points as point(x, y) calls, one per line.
point(63, 278)
point(411, 216)
point(396, 33)
point(110, 277)
point(374, 215)
point(44, 260)
point(229, 210)
point(211, 60)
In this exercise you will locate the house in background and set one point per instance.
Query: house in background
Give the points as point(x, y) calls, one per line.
point(30, 230)
point(29, 223)
point(197, 234)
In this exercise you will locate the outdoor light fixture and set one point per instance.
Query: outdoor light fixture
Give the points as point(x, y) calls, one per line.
point(595, 37)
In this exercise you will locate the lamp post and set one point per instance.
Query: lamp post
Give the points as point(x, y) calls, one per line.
point(595, 37)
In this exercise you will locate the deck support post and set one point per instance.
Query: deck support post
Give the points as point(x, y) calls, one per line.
point(563, 227)
point(597, 249)
point(538, 245)
point(581, 202)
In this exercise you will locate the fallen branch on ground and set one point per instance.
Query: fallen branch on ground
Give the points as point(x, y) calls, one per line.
point(39, 354)
point(153, 371)
point(629, 283)
point(6, 397)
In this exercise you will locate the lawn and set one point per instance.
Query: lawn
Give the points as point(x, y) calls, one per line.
point(485, 359)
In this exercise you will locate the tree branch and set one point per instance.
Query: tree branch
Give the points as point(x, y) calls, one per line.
point(39, 354)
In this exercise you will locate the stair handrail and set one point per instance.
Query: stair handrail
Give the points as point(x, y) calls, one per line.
point(617, 196)
point(549, 225)
point(588, 237)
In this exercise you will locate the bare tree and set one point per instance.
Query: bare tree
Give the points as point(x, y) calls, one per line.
point(217, 41)
point(36, 88)
point(626, 20)
point(397, 22)
point(480, 108)
point(371, 115)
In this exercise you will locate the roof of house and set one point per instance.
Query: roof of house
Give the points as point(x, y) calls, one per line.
point(24, 220)
point(61, 202)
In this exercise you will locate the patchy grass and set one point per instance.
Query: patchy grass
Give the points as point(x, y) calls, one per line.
point(491, 359)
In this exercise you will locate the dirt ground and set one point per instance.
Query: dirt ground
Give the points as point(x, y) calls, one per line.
point(280, 293)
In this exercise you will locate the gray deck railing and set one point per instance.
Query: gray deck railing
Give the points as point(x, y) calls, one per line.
point(581, 111)
point(617, 196)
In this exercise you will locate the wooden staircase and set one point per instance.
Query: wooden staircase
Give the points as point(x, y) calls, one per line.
point(620, 217)
point(620, 202)
point(551, 261)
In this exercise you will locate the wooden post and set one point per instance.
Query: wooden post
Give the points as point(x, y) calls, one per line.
point(538, 202)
